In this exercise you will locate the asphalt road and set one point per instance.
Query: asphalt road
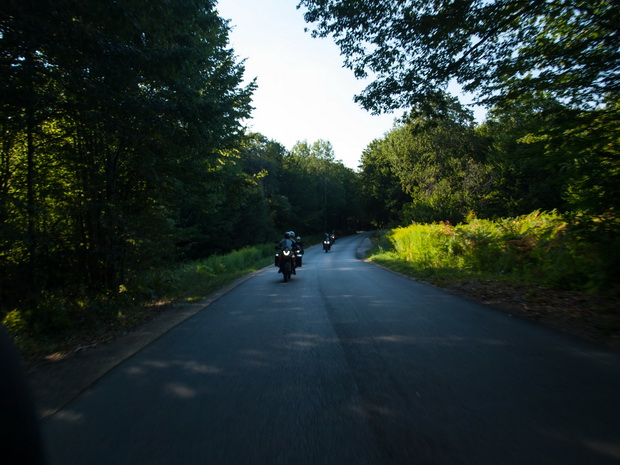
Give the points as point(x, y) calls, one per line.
point(348, 363)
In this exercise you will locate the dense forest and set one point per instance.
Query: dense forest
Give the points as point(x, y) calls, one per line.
point(549, 74)
point(123, 146)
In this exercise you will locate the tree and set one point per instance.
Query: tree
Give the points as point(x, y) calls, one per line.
point(383, 196)
point(262, 159)
point(116, 118)
point(438, 164)
point(582, 147)
point(509, 54)
point(321, 191)
point(527, 176)
point(496, 49)
point(304, 182)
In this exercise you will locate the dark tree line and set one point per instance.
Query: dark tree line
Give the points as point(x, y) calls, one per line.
point(113, 115)
point(122, 147)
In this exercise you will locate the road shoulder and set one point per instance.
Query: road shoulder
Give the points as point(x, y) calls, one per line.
point(54, 384)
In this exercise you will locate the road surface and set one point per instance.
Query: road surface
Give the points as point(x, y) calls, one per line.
point(348, 363)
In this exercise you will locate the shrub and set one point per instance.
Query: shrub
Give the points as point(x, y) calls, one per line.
point(542, 247)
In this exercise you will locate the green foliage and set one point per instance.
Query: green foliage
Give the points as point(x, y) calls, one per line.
point(116, 126)
point(436, 163)
point(197, 278)
point(549, 70)
point(497, 49)
point(525, 177)
point(539, 248)
point(14, 322)
point(383, 196)
point(586, 144)
point(59, 322)
point(529, 155)
point(322, 192)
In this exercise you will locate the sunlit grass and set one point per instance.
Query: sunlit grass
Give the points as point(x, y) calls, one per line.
point(192, 281)
point(539, 248)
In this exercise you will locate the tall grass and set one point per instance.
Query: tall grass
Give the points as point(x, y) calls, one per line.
point(542, 248)
point(190, 281)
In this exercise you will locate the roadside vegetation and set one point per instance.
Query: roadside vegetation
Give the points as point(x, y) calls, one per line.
point(125, 186)
point(539, 248)
point(63, 323)
point(543, 266)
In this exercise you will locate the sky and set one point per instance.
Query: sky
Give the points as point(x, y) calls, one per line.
point(304, 93)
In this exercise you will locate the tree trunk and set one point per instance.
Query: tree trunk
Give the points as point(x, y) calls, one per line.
point(31, 209)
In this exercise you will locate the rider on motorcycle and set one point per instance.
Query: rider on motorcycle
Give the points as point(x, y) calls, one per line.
point(327, 242)
point(287, 243)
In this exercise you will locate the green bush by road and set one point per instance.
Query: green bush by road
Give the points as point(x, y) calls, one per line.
point(541, 248)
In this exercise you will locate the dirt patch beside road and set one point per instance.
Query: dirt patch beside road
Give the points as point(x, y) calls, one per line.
point(594, 318)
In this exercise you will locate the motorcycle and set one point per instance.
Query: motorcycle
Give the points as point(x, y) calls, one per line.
point(299, 256)
point(285, 261)
point(327, 245)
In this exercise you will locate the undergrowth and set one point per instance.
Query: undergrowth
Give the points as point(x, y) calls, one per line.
point(542, 248)
point(57, 323)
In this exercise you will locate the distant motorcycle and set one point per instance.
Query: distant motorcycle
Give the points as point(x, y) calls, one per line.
point(299, 256)
point(327, 244)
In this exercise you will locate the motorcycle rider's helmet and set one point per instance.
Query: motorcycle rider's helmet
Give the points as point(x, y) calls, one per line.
point(287, 235)
point(298, 239)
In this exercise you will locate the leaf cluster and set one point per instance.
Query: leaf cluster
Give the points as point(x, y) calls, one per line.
point(497, 50)
point(530, 155)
